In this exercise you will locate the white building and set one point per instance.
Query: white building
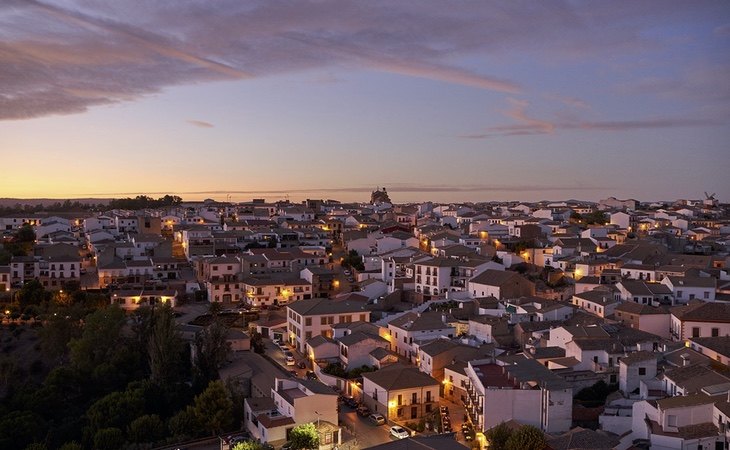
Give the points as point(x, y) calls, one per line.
point(685, 289)
point(700, 319)
point(316, 316)
point(414, 328)
point(526, 392)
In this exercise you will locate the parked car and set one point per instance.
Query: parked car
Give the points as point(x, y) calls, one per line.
point(311, 375)
point(293, 373)
point(363, 410)
point(290, 360)
point(350, 401)
point(302, 365)
point(377, 419)
point(399, 432)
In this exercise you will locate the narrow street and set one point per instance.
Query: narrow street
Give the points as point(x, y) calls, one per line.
point(359, 432)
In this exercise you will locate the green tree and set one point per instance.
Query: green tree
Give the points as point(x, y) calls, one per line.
point(108, 439)
point(215, 308)
point(5, 256)
point(354, 260)
point(25, 234)
point(211, 351)
point(304, 436)
point(214, 408)
point(116, 410)
point(32, 293)
point(58, 330)
point(147, 428)
point(498, 436)
point(236, 388)
point(335, 369)
point(101, 348)
point(36, 446)
point(11, 372)
point(185, 424)
point(20, 428)
point(164, 346)
point(257, 342)
point(595, 217)
point(526, 437)
point(73, 445)
point(249, 445)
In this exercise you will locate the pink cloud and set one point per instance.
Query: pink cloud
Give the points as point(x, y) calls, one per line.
point(53, 58)
point(200, 123)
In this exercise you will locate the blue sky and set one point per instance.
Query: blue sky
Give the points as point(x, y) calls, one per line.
point(448, 101)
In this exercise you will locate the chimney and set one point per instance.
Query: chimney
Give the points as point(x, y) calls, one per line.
point(685, 359)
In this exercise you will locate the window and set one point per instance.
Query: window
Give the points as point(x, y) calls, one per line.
point(308, 322)
point(400, 399)
point(414, 398)
point(323, 321)
point(642, 371)
point(672, 420)
point(706, 295)
point(715, 332)
point(679, 294)
point(695, 331)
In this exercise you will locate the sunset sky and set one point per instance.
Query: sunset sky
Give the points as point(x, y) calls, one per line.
point(436, 100)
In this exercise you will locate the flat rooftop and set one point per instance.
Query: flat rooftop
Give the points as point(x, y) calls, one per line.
point(493, 376)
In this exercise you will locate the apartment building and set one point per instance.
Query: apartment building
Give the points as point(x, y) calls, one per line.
point(313, 317)
point(400, 393)
point(412, 328)
point(525, 391)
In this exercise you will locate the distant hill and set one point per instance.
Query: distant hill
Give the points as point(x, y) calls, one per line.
point(10, 202)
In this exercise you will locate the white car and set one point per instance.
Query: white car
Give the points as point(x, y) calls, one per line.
point(399, 432)
point(290, 361)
